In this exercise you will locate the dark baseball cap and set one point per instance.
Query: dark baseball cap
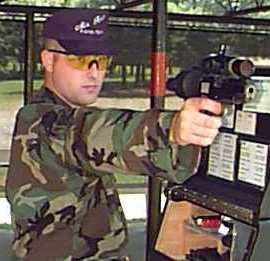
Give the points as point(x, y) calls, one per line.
point(80, 31)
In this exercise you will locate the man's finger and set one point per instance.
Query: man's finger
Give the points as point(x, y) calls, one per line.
point(198, 140)
point(204, 104)
point(201, 119)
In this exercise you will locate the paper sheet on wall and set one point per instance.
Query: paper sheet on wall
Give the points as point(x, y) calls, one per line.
point(222, 156)
point(253, 162)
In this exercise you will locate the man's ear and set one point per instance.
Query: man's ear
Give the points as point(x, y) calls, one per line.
point(47, 60)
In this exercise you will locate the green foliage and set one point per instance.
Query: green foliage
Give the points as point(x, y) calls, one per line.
point(3, 172)
point(212, 7)
point(198, 44)
point(216, 7)
point(91, 4)
point(125, 179)
point(35, 2)
point(11, 48)
point(5, 226)
point(63, 3)
point(133, 45)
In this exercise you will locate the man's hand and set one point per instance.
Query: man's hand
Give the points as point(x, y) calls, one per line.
point(193, 126)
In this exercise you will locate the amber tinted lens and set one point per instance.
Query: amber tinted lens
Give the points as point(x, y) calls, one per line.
point(84, 62)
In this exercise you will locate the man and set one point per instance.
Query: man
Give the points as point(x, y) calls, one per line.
point(60, 183)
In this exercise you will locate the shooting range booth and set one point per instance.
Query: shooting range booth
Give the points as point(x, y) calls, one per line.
point(244, 202)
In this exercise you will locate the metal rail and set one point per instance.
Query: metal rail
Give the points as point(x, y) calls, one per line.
point(158, 87)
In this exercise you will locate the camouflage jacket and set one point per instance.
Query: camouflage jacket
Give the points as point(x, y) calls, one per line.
point(60, 184)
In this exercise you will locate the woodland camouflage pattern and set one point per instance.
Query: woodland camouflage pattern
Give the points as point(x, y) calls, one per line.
point(60, 184)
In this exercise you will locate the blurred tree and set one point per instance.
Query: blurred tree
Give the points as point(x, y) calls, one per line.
point(220, 7)
point(35, 2)
point(133, 45)
point(11, 48)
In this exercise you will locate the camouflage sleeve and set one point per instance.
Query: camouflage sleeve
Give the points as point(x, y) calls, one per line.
point(131, 142)
point(59, 157)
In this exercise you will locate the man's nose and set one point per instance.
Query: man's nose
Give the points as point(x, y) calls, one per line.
point(93, 70)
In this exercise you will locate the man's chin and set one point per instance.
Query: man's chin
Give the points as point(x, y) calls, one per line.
point(88, 102)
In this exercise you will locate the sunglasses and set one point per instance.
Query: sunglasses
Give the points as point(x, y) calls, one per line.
point(85, 62)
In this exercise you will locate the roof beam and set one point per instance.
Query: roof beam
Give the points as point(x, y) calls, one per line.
point(124, 4)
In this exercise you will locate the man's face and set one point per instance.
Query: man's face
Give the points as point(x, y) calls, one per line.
point(77, 87)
